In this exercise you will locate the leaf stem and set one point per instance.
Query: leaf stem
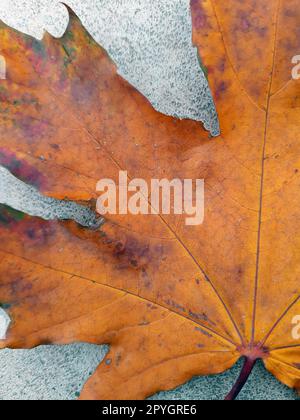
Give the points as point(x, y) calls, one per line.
point(243, 378)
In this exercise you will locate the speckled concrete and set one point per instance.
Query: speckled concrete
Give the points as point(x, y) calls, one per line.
point(150, 40)
point(27, 199)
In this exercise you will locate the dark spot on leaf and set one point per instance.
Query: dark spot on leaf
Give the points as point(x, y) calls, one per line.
point(134, 263)
point(131, 252)
point(118, 359)
point(201, 317)
point(32, 128)
point(82, 90)
point(175, 305)
point(207, 334)
point(55, 146)
point(21, 169)
point(297, 365)
point(221, 88)
point(200, 20)
point(30, 233)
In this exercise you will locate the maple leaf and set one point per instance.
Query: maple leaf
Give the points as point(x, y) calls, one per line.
point(173, 301)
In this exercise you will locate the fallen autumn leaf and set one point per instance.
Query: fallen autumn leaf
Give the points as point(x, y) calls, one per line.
point(173, 301)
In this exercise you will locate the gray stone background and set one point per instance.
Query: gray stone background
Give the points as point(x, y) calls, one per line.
point(150, 41)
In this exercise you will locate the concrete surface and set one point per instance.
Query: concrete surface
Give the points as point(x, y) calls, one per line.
point(27, 199)
point(150, 40)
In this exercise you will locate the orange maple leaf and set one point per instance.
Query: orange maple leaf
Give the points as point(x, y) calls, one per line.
point(173, 301)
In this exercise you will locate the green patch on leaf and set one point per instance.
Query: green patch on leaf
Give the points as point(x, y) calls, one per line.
point(38, 48)
point(8, 214)
point(69, 36)
point(5, 306)
point(203, 67)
